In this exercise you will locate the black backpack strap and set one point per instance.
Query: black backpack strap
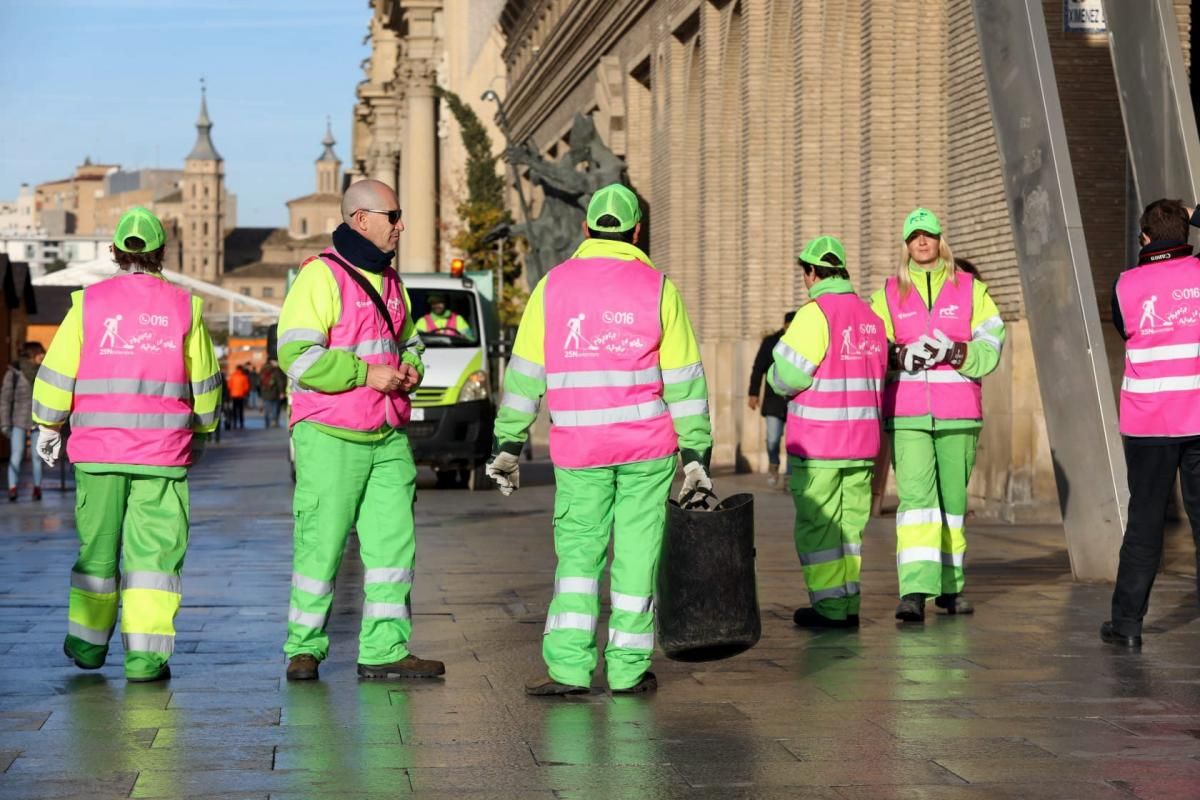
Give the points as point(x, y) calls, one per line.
point(366, 286)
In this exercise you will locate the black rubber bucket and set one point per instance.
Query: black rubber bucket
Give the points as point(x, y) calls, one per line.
point(707, 597)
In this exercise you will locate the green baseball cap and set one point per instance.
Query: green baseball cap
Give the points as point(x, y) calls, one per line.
point(139, 223)
point(921, 219)
point(615, 200)
point(818, 251)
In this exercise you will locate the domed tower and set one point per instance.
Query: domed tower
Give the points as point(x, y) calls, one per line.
point(329, 166)
point(203, 217)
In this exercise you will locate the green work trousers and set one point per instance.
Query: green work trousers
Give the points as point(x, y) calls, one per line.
point(932, 470)
point(133, 535)
point(369, 486)
point(833, 505)
point(629, 503)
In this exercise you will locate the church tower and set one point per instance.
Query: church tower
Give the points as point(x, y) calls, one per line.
point(328, 165)
point(203, 218)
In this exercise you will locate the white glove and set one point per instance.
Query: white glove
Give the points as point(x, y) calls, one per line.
point(505, 470)
point(918, 354)
point(697, 488)
point(49, 444)
point(938, 345)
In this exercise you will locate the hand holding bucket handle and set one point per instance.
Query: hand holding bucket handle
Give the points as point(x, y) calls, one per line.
point(697, 492)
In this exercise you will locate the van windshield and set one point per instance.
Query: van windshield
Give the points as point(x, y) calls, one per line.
point(445, 317)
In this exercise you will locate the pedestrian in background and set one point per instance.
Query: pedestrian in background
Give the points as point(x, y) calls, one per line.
point(272, 387)
point(16, 416)
point(133, 369)
point(239, 390)
point(773, 404)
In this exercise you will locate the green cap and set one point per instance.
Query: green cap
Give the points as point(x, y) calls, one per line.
point(618, 201)
point(817, 252)
point(140, 223)
point(921, 219)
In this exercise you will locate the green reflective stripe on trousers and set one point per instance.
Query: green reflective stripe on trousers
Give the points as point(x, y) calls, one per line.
point(844, 590)
point(608, 416)
point(116, 419)
point(833, 506)
point(631, 603)
point(388, 575)
point(89, 635)
point(572, 621)
point(307, 619)
point(631, 641)
point(90, 583)
point(93, 386)
point(576, 585)
point(55, 379)
point(311, 585)
point(386, 610)
point(51, 415)
point(152, 580)
point(149, 642)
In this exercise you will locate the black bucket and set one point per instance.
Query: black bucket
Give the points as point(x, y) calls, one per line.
point(707, 597)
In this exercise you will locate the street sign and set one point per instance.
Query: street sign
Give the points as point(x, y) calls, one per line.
point(1084, 16)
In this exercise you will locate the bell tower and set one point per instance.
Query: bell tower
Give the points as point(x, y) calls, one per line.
point(203, 217)
point(329, 167)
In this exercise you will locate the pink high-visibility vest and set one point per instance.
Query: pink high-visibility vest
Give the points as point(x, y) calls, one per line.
point(360, 330)
point(133, 397)
point(942, 391)
point(604, 386)
point(838, 416)
point(1160, 304)
point(429, 323)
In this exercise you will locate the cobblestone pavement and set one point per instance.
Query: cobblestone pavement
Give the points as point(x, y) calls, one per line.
point(1019, 701)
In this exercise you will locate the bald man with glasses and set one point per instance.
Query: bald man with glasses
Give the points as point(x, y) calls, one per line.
point(349, 346)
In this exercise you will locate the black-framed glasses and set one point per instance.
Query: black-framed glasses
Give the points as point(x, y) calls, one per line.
point(393, 215)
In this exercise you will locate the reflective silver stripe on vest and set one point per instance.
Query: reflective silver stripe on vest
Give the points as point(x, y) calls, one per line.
point(152, 580)
point(55, 379)
point(94, 386)
point(833, 414)
point(788, 354)
point(576, 586)
point(571, 621)
point(911, 555)
point(603, 378)
point(305, 360)
point(529, 369)
point(149, 642)
point(207, 385)
point(207, 418)
point(846, 385)
point(90, 583)
point(303, 335)
point(845, 590)
point(117, 419)
point(1178, 383)
point(688, 408)
point(983, 332)
point(311, 585)
point(371, 347)
point(385, 610)
point(932, 376)
point(919, 516)
point(388, 575)
point(519, 402)
point(632, 603)
point(631, 641)
point(51, 415)
point(683, 374)
point(307, 619)
point(952, 559)
point(609, 416)
point(89, 635)
point(1143, 355)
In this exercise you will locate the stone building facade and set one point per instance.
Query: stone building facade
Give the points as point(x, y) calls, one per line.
point(750, 126)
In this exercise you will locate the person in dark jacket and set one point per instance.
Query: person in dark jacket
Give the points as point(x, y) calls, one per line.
point(774, 406)
point(16, 416)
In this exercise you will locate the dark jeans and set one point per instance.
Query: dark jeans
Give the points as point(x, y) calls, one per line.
point(1152, 469)
point(239, 412)
point(271, 412)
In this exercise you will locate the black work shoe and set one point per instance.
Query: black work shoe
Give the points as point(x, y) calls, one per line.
point(302, 668)
point(12, 495)
point(82, 665)
point(911, 608)
point(954, 604)
point(408, 667)
point(1109, 634)
point(648, 683)
point(811, 618)
point(545, 686)
point(162, 675)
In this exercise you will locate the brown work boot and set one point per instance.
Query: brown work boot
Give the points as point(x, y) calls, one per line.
point(545, 686)
point(408, 667)
point(302, 668)
point(648, 683)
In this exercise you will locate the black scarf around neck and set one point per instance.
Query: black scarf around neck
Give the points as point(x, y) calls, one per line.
point(360, 252)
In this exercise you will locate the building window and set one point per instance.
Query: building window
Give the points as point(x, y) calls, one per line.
point(206, 191)
point(30, 250)
point(206, 228)
point(304, 227)
point(245, 290)
point(268, 291)
point(193, 190)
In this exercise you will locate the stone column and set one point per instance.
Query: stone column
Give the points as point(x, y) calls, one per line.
point(418, 176)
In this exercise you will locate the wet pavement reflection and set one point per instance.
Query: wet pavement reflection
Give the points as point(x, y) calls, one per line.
point(1019, 701)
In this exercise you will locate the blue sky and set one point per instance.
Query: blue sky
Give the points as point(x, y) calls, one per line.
point(118, 80)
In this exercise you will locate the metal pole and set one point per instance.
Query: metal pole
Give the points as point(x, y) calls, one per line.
point(1060, 297)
